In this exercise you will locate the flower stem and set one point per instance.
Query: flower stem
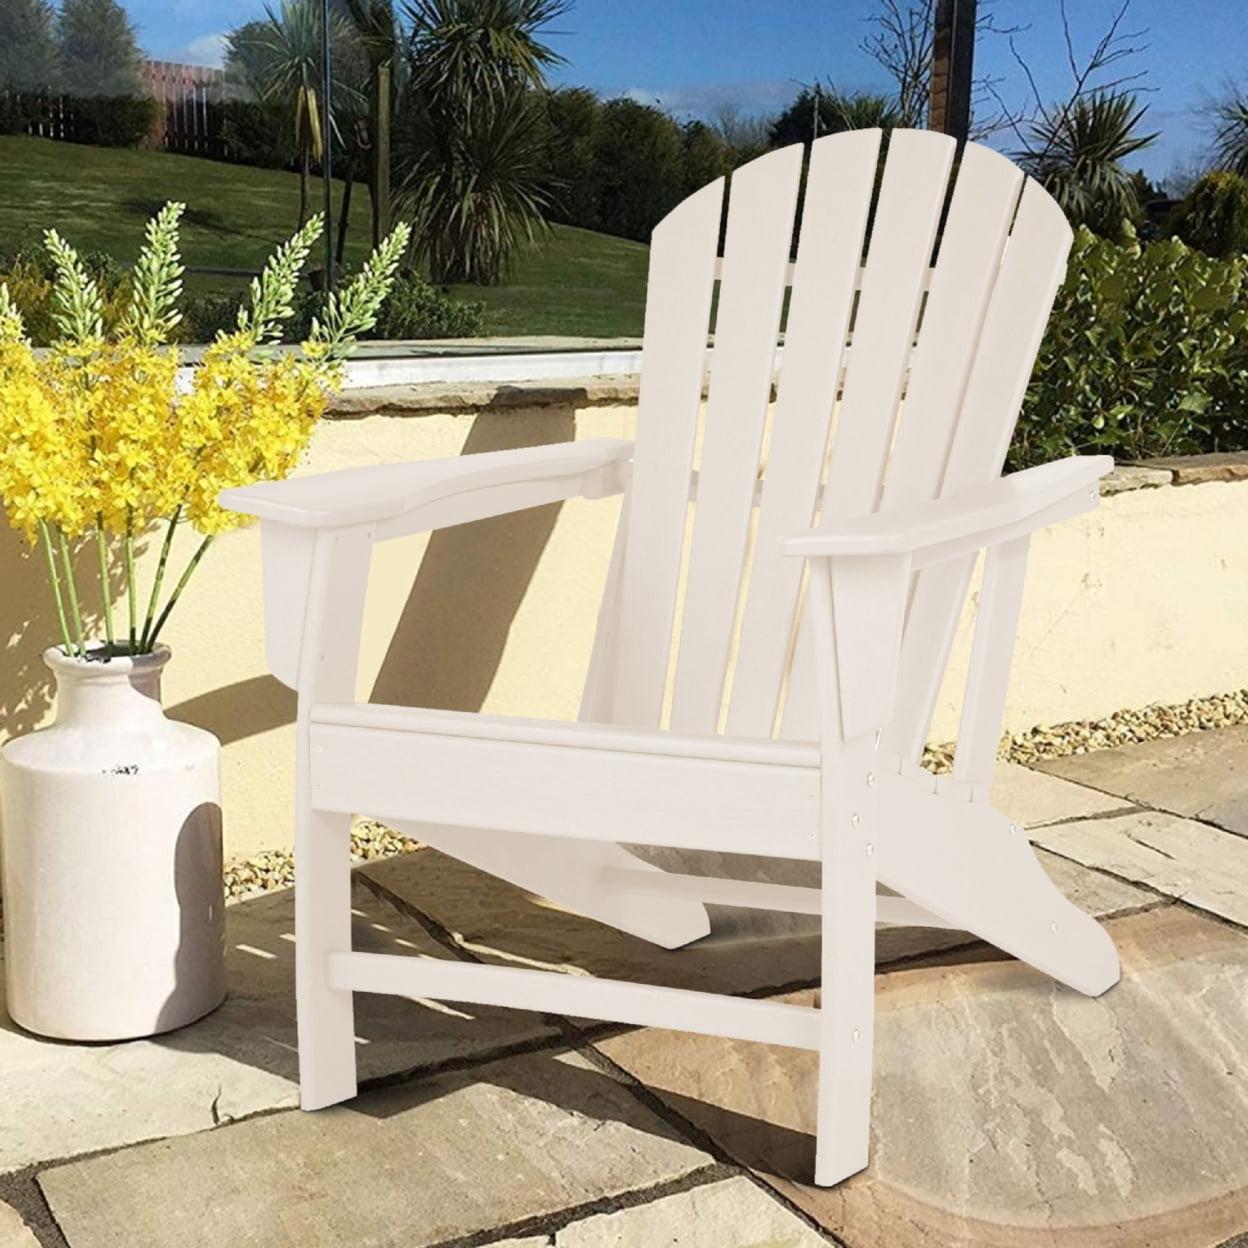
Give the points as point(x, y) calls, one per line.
point(181, 585)
point(159, 578)
point(130, 584)
point(106, 590)
point(67, 565)
point(55, 580)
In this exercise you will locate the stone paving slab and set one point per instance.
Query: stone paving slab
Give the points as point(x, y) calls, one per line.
point(14, 1233)
point(401, 1167)
point(57, 1099)
point(733, 1213)
point(1031, 797)
point(496, 921)
point(1099, 895)
point(1203, 775)
point(1201, 865)
point(1010, 1112)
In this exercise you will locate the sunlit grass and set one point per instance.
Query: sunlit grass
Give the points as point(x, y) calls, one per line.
point(577, 283)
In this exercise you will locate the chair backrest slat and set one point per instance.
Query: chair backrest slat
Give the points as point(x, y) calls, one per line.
point(902, 236)
point(984, 201)
point(678, 313)
point(762, 198)
point(1030, 273)
point(838, 197)
point(966, 333)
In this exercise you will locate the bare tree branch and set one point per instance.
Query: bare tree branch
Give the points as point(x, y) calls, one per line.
point(901, 43)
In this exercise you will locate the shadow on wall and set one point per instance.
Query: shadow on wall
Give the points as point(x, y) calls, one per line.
point(29, 625)
point(450, 637)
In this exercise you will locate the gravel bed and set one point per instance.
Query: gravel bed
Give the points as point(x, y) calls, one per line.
point(275, 868)
point(1222, 710)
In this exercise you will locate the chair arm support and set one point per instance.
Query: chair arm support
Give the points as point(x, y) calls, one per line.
point(383, 494)
point(966, 521)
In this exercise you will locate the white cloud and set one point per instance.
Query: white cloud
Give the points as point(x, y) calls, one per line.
point(205, 50)
point(704, 99)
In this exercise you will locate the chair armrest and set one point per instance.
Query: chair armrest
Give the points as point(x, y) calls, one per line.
point(967, 521)
point(385, 492)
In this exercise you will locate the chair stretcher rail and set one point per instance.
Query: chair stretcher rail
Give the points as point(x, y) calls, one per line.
point(640, 1005)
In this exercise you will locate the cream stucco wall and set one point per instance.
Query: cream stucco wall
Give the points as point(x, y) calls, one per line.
point(1141, 602)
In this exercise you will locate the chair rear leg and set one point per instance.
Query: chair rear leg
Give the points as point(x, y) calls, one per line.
point(323, 926)
point(847, 1011)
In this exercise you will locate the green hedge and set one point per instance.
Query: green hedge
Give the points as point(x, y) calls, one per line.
point(1146, 354)
point(413, 309)
point(1213, 216)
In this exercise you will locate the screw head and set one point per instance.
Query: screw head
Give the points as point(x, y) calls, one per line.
point(870, 849)
point(1052, 927)
point(870, 778)
point(857, 1035)
point(1013, 829)
point(1094, 495)
point(854, 821)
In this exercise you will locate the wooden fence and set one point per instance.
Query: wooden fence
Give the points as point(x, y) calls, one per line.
point(190, 99)
point(188, 116)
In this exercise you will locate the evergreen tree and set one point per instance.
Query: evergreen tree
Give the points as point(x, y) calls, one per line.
point(29, 60)
point(99, 52)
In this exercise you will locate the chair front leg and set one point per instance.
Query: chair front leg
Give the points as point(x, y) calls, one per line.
point(328, 657)
point(848, 826)
point(326, 1017)
point(847, 1012)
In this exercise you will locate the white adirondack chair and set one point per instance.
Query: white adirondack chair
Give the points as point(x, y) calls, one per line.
point(796, 743)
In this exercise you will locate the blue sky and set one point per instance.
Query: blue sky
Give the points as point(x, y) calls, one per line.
point(695, 55)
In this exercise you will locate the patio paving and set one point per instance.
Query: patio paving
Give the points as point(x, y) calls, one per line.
point(408, 1166)
point(1009, 1112)
point(14, 1233)
point(58, 1099)
point(710, 1215)
point(1203, 775)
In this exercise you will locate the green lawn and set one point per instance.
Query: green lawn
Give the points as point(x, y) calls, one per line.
point(576, 283)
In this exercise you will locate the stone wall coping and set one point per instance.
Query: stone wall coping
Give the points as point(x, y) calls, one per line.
point(456, 398)
point(464, 398)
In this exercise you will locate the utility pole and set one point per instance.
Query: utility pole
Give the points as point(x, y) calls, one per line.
point(953, 58)
point(814, 128)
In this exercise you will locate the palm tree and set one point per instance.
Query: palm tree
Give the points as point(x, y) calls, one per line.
point(836, 110)
point(469, 50)
point(1230, 139)
point(281, 56)
point(470, 133)
point(1077, 151)
point(475, 193)
point(381, 36)
point(861, 110)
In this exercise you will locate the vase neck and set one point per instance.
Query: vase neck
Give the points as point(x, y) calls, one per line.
point(120, 692)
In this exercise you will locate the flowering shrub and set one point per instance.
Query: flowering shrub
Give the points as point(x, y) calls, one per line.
point(98, 440)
